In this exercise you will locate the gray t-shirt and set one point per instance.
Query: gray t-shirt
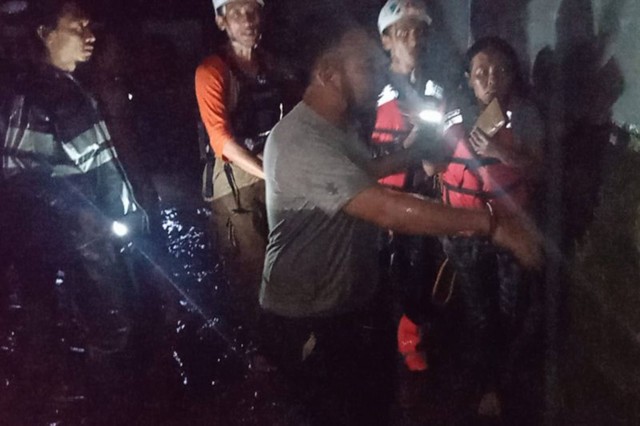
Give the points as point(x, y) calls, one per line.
point(320, 261)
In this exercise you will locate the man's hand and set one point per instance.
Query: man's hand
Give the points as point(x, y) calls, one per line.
point(521, 237)
point(411, 138)
point(526, 157)
point(485, 145)
point(243, 158)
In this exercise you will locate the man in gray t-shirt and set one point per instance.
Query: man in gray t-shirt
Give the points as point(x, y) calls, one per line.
point(324, 202)
point(324, 207)
point(320, 261)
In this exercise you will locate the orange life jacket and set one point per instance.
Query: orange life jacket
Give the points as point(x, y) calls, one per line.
point(470, 181)
point(391, 128)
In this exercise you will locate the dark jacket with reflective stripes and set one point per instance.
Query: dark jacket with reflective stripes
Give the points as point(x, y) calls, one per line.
point(53, 134)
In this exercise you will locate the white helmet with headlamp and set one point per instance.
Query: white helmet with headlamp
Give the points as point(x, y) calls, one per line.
point(217, 4)
point(395, 10)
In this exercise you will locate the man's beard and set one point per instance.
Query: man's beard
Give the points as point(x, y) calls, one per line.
point(356, 108)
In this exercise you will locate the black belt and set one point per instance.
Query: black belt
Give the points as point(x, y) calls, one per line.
point(483, 195)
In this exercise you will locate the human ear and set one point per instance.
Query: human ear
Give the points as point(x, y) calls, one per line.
point(325, 75)
point(325, 70)
point(43, 32)
point(386, 42)
point(221, 23)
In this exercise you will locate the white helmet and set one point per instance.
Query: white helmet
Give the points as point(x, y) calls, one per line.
point(217, 4)
point(395, 10)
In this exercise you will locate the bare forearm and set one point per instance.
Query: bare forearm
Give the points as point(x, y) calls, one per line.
point(242, 158)
point(409, 214)
point(412, 215)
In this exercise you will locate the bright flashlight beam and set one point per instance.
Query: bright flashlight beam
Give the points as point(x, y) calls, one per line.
point(120, 229)
point(234, 349)
point(191, 302)
point(431, 116)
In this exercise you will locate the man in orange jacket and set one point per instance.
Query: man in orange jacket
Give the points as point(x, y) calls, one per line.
point(239, 103)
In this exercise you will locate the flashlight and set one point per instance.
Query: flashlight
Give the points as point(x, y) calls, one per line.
point(430, 112)
point(431, 116)
point(119, 229)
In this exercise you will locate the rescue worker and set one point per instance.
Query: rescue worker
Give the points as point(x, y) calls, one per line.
point(239, 101)
point(66, 204)
point(491, 173)
point(403, 25)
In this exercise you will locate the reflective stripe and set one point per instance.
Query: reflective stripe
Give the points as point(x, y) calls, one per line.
point(94, 162)
point(433, 89)
point(96, 158)
point(27, 149)
point(81, 148)
point(29, 141)
point(388, 94)
point(15, 161)
point(62, 170)
point(452, 118)
point(125, 198)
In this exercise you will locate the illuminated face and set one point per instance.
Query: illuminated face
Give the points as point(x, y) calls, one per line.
point(363, 70)
point(241, 22)
point(71, 42)
point(404, 39)
point(491, 77)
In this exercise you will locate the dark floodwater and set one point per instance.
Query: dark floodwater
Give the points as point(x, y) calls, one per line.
point(188, 361)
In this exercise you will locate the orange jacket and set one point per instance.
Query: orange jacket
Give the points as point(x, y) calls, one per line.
point(213, 89)
point(470, 181)
point(390, 129)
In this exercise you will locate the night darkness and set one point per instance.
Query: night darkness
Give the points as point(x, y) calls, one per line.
point(192, 359)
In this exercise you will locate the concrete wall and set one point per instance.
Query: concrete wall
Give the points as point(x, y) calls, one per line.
point(563, 25)
point(626, 48)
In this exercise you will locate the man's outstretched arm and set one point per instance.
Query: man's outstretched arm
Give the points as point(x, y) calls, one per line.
point(410, 214)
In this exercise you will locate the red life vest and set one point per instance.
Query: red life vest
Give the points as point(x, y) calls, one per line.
point(470, 181)
point(391, 128)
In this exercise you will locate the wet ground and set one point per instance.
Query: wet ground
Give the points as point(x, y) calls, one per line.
point(192, 364)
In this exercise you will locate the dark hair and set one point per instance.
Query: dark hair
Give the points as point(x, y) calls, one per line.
point(321, 31)
point(496, 44)
point(45, 14)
